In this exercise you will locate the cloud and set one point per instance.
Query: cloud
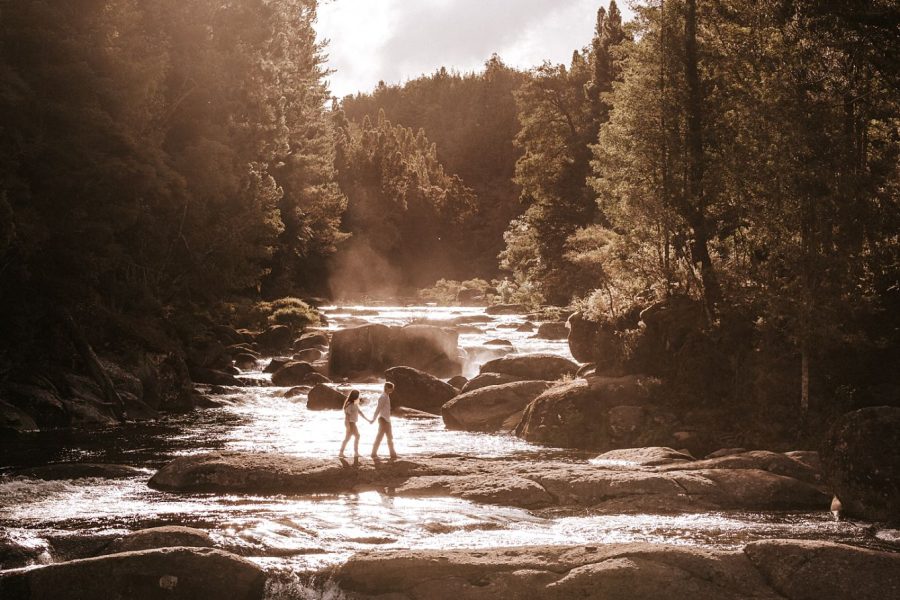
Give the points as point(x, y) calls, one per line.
point(397, 40)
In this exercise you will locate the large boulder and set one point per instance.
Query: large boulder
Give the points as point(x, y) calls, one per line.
point(310, 340)
point(167, 573)
point(593, 342)
point(861, 460)
point(276, 338)
point(807, 570)
point(372, 349)
point(168, 536)
point(294, 373)
point(486, 379)
point(323, 397)
point(506, 309)
point(419, 390)
point(554, 330)
point(546, 367)
point(577, 414)
point(493, 408)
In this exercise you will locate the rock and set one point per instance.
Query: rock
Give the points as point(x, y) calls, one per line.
point(372, 349)
point(419, 390)
point(506, 309)
point(296, 391)
point(40, 404)
point(577, 414)
point(486, 379)
point(498, 342)
point(862, 463)
point(650, 456)
point(469, 319)
point(245, 362)
point(323, 397)
point(521, 483)
point(555, 330)
point(458, 382)
point(310, 340)
point(160, 537)
point(593, 342)
point(725, 452)
point(227, 335)
point(525, 327)
point(813, 570)
point(603, 571)
point(492, 408)
point(213, 377)
point(309, 355)
point(166, 382)
point(62, 471)
point(547, 367)
point(15, 420)
point(207, 353)
point(293, 373)
point(773, 462)
point(176, 573)
point(276, 338)
point(275, 364)
point(15, 553)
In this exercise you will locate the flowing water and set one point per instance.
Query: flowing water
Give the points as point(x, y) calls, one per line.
point(299, 534)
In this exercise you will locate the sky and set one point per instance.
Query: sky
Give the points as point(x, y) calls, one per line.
point(397, 40)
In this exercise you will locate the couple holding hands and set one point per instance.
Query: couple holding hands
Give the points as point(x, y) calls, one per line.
point(382, 414)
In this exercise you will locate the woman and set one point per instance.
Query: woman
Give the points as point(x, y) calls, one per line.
point(351, 416)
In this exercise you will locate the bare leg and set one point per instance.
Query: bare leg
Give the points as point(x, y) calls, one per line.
point(347, 439)
point(378, 437)
point(389, 433)
point(356, 446)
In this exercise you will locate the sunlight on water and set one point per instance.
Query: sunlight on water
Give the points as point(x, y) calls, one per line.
point(307, 532)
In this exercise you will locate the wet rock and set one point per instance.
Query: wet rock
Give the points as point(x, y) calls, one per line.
point(419, 390)
point(213, 377)
point(547, 367)
point(245, 362)
point(555, 330)
point(297, 391)
point(607, 571)
point(15, 553)
point(275, 364)
point(577, 414)
point(310, 340)
point(486, 379)
point(227, 335)
point(276, 338)
point(294, 373)
point(506, 309)
point(861, 459)
point(309, 355)
point(773, 462)
point(323, 397)
point(61, 471)
point(498, 342)
point(525, 327)
point(469, 319)
point(458, 382)
point(812, 570)
point(650, 456)
point(492, 408)
point(176, 573)
point(40, 403)
point(160, 537)
point(372, 349)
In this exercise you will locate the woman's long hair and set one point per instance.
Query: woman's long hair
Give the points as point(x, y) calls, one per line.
point(351, 397)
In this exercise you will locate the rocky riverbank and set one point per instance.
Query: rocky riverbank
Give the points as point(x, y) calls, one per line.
point(644, 480)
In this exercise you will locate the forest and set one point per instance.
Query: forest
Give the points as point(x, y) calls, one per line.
point(171, 164)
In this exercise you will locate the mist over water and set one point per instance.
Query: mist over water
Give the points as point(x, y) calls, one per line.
point(285, 533)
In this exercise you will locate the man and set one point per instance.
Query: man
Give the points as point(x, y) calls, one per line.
point(383, 416)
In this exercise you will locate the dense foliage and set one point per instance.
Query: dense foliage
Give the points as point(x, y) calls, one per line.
point(156, 157)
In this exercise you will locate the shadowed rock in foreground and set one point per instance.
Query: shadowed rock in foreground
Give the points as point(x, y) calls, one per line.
point(172, 573)
point(775, 569)
point(758, 481)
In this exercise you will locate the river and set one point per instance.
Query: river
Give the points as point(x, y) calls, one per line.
point(299, 534)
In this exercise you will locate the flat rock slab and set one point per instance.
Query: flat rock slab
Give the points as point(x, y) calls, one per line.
point(797, 570)
point(519, 483)
point(170, 573)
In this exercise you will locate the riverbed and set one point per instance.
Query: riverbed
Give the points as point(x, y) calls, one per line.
point(301, 534)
